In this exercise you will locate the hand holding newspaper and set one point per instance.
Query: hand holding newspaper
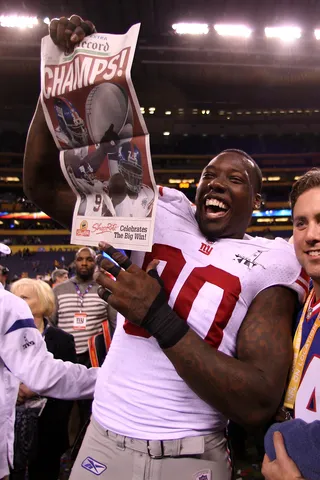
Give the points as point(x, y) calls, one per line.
point(94, 116)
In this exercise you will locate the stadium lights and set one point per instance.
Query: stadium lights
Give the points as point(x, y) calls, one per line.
point(317, 33)
point(191, 28)
point(286, 34)
point(265, 220)
point(9, 179)
point(179, 180)
point(233, 30)
point(18, 21)
point(283, 219)
point(168, 112)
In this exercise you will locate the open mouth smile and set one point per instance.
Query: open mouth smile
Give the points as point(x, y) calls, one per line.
point(215, 208)
point(313, 253)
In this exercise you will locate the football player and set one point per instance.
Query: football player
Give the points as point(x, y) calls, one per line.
point(94, 196)
point(72, 130)
point(136, 200)
point(190, 347)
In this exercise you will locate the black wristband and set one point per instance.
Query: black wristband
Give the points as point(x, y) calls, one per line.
point(164, 324)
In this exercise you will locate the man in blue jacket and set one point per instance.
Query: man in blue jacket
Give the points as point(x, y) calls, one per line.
point(295, 453)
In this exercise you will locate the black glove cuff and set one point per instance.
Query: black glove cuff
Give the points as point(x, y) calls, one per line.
point(163, 323)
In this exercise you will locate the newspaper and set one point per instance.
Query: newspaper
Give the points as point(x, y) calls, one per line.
point(94, 116)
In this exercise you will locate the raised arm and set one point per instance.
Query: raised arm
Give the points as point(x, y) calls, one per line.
point(43, 180)
point(25, 354)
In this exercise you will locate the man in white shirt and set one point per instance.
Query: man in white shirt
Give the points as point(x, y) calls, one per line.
point(24, 358)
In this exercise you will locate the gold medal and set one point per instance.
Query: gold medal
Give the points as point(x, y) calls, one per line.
point(309, 313)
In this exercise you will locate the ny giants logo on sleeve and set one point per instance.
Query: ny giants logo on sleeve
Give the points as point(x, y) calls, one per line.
point(27, 343)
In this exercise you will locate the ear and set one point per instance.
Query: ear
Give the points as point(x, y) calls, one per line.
point(257, 201)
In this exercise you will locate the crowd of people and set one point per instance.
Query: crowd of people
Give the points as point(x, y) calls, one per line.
point(201, 333)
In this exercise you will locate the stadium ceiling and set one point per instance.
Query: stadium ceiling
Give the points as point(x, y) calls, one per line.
point(187, 71)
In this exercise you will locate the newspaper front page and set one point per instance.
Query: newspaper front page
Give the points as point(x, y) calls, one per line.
point(94, 116)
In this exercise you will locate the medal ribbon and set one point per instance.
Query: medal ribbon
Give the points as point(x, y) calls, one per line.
point(300, 356)
point(81, 295)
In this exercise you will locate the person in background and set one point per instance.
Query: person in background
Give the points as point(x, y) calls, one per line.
point(52, 438)
point(80, 312)
point(4, 274)
point(293, 447)
point(24, 358)
point(58, 276)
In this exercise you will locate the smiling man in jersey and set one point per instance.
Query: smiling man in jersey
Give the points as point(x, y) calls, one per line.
point(191, 343)
point(302, 400)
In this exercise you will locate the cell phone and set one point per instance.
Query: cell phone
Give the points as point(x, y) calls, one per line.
point(104, 254)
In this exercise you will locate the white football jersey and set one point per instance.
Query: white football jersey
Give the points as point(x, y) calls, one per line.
point(211, 286)
point(95, 201)
point(136, 207)
point(96, 204)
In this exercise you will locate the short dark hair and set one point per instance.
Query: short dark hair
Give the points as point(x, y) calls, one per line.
point(309, 180)
point(257, 171)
